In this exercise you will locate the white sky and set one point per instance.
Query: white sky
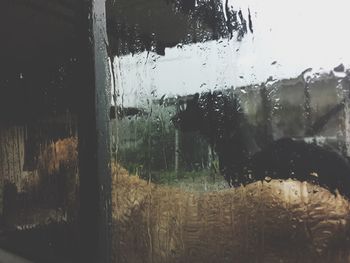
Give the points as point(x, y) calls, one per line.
point(298, 34)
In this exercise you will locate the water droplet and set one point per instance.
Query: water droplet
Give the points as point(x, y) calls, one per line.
point(267, 179)
point(314, 174)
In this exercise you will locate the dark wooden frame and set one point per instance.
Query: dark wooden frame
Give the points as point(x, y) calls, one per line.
point(94, 145)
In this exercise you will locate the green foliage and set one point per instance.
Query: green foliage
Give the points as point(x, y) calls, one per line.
point(146, 143)
point(146, 147)
point(173, 178)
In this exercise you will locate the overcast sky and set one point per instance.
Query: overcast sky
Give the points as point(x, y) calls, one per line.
point(295, 34)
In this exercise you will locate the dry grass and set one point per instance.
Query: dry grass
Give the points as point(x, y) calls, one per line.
point(63, 152)
point(262, 222)
point(50, 193)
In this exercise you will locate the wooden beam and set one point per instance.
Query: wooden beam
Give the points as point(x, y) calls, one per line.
point(94, 142)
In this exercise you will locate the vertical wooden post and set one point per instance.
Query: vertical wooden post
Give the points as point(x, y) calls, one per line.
point(266, 112)
point(177, 142)
point(94, 141)
point(177, 148)
point(210, 157)
point(346, 124)
point(307, 109)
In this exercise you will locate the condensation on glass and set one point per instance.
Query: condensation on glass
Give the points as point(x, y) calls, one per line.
point(231, 139)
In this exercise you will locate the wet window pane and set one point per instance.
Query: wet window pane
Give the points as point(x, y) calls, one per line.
point(228, 121)
point(231, 138)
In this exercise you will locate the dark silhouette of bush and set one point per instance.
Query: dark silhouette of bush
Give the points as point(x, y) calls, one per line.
point(219, 118)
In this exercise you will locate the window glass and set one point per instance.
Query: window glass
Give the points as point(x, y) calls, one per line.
point(232, 139)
